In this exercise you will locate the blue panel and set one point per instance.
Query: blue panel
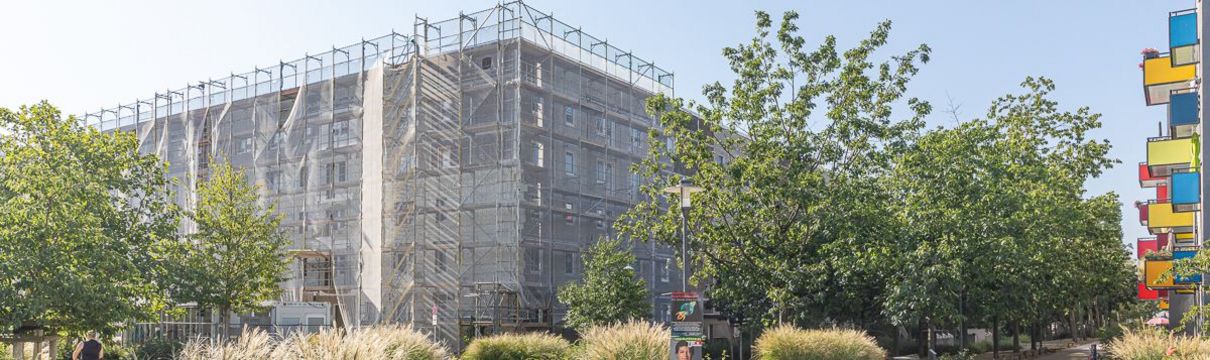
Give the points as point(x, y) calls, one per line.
point(1178, 255)
point(1185, 188)
point(1182, 109)
point(1182, 30)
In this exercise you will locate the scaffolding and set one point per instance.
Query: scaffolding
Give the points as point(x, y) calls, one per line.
point(447, 179)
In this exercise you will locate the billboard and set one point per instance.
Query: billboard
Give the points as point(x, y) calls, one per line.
point(687, 336)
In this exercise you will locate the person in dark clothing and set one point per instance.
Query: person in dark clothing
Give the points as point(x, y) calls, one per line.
point(90, 349)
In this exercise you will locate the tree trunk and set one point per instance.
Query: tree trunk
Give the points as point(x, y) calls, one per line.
point(921, 339)
point(54, 348)
point(995, 337)
point(1016, 336)
point(224, 315)
point(962, 343)
point(895, 342)
point(1035, 337)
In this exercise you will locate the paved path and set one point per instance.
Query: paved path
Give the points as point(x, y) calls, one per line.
point(1079, 352)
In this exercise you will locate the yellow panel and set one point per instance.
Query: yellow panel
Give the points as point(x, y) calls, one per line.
point(1184, 236)
point(1163, 304)
point(1170, 152)
point(1156, 269)
point(1161, 216)
point(1160, 71)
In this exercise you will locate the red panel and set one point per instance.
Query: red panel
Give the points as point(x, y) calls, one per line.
point(1142, 206)
point(1145, 178)
point(1148, 294)
point(1161, 192)
point(1146, 245)
point(1161, 240)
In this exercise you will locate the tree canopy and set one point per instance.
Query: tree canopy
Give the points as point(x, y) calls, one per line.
point(610, 293)
point(86, 225)
point(236, 258)
point(827, 201)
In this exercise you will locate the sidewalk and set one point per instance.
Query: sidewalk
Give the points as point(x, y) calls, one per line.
point(1062, 352)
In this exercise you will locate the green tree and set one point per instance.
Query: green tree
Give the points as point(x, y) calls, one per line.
point(793, 225)
point(610, 293)
point(85, 225)
point(237, 257)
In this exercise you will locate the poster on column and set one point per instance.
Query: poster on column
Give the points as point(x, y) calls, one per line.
point(687, 335)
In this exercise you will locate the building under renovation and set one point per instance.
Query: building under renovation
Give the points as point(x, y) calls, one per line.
point(448, 179)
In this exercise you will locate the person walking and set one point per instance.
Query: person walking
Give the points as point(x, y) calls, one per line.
point(90, 349)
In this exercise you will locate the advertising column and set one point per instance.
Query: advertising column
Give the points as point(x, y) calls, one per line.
point(687, 335)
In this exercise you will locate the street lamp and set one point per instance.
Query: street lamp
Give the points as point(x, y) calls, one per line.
point(684, 190)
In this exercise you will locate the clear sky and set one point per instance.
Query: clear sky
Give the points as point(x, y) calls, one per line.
point(85, 55)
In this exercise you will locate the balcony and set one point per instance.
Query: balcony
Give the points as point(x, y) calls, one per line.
point(1160, 78)
point(1161, 241)
point(1161, 193)
point(1157, 274)
point(1147, 245)
point(1183, 239)
point(1160, 216)
point(1142, 206)
point(1148, 294)
point(1182, 255)
point(1146, 180)
point(1186, 191)
point(1165, 154)
point(1182, 37)
point(1183, 114)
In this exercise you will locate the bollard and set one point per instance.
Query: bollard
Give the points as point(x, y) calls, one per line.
point(1093, 355)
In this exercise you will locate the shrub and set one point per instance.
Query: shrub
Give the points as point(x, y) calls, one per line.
point(787, 342)
point(518, 347)
point(1149, 344)
point(631, 340)
point(252, 344)
point(384, 342)
point(158, 349)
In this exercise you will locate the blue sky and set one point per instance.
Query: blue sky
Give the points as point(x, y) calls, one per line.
point(85, 55)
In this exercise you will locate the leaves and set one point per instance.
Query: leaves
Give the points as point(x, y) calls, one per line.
point(610, 293)
point(237, 256)
point(85, 224)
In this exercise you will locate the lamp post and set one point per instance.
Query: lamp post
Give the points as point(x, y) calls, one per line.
point(685, 190)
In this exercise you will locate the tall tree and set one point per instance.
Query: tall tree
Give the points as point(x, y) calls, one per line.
point(792, 225)
point(237, 257)
point(85, 225)
point(610, 292)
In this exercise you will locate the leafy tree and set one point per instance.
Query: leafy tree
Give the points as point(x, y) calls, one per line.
point(610, 293)
point(793, 225)
point(85, 225)
point(237, 257)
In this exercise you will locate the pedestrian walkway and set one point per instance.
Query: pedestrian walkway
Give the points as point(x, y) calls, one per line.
point(1079, 352)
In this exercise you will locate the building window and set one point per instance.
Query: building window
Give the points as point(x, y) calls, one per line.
point(636, 137)
point(608, 172)
point(600, 172)
point(486, 63)
point(439, 261)
point(569, 163)
point(600, 224)
point(273, 180)
point(340, 134)
point(336, 172)
point(539, 155)
point(533, 260)
point(302, 177)
point(569, 116)
point(439, 206)
point(569, 264)
point(601, 126)
point(665, 270)
point(244, 146)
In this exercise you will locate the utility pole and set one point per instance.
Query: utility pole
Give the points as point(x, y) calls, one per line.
point(1203, 113)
